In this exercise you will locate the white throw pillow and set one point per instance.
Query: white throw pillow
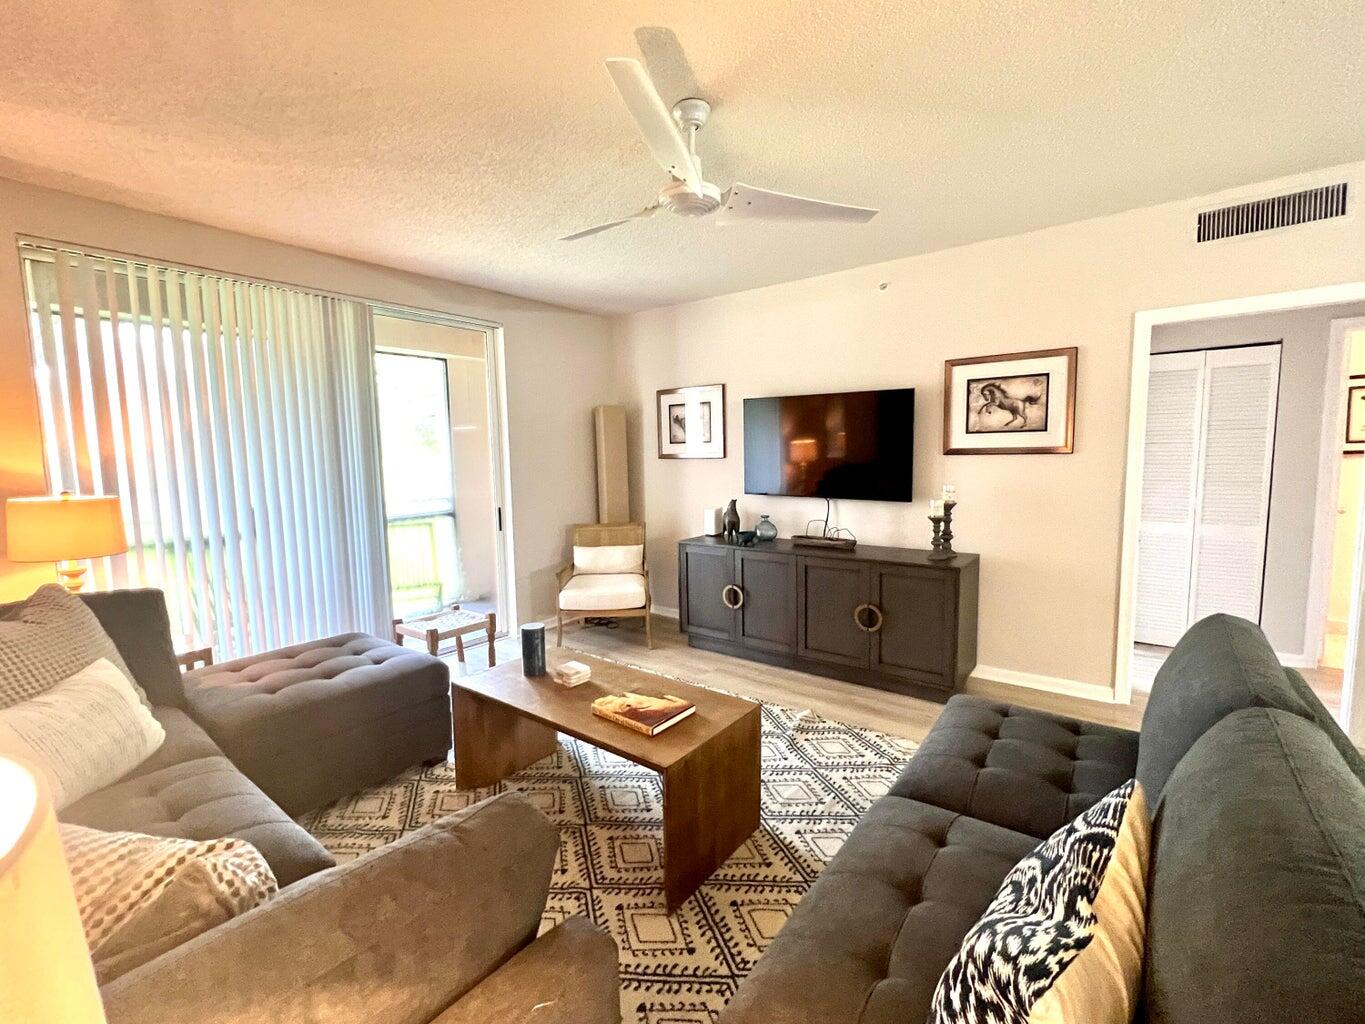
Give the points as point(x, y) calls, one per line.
point(609, 558)
point(141, 895)
point(86, 732)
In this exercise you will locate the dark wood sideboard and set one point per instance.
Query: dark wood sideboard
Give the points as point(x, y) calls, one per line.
point(884, 617)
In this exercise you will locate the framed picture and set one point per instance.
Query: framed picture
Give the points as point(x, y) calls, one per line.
point(1355, 416)
point(1023, 403)
point(692, 422)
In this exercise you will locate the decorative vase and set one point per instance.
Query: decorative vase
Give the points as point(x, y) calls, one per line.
point(766, 529)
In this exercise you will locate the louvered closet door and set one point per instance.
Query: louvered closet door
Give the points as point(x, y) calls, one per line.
point(1169, 491)
point(1241, 395)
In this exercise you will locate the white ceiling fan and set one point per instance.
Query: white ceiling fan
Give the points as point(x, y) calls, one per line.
point(689, 194)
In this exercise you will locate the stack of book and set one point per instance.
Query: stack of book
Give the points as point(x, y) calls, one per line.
point(638, 711)
point(571, 673)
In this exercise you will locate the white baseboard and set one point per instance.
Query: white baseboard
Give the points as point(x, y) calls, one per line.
point(667, 613)
point(1051, 684)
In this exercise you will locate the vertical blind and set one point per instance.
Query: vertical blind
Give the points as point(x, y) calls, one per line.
point(237, 422)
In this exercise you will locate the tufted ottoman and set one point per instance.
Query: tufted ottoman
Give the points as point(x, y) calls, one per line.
point(1015, 766)
point(314, 722)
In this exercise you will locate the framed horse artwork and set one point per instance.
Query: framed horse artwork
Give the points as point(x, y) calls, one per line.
point(1023, 403)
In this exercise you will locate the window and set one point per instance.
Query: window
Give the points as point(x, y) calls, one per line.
point(236, 420)
point(419, 481)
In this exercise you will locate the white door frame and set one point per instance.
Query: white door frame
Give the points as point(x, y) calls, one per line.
point(1329, 483)
point(499, 445)
point(1143, 323)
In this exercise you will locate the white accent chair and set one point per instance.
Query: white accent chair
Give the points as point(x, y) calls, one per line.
point(608, 578)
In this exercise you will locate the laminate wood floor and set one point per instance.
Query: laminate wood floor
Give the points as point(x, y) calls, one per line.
point(864, 706)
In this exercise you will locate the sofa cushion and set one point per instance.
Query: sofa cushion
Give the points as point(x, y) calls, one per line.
point(1327, 722)
point(314, 722)
point(1222, 664)
point(137, 622)
point(1063, 938)
point(141, 895)
point(871, 937)
point(600, 592)
point(1256, 903)
point(189, 789)
point(47, 638)
point(1016, 767)
point(86, 732)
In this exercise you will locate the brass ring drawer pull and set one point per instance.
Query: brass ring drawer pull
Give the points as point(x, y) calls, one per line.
point(858, 618)
point(725, 596)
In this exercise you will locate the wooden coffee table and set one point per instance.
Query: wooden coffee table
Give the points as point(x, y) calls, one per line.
point(710, 761)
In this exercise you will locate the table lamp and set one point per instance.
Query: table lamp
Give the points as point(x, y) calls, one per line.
point(45, 969)
point(62, 529)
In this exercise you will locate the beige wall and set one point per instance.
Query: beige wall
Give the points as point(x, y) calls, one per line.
point(558, 362)
point(1047, 526)
point(1306, 335)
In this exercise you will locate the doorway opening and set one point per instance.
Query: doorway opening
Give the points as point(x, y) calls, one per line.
point(440, 431)
point(1236, 470)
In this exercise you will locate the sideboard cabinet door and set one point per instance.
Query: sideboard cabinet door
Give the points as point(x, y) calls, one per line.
point(829, 591)
point(917, 639)
point(767, 614)
point(704, 574)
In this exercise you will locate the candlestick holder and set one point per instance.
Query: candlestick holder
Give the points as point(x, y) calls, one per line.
point(943, 534)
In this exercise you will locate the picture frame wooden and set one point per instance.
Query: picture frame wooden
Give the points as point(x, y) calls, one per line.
point(1354, 440)
point(691, 422)
point(1016, 403)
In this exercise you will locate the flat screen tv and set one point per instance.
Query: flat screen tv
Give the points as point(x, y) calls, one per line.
point(855, 444)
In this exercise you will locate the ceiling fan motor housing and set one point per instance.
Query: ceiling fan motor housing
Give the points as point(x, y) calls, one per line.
point(680, 199)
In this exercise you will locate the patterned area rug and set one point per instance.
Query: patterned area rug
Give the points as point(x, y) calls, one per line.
point(818, 778)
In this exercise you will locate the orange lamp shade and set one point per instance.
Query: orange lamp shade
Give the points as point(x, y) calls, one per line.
point(45, 969)
point(50, 529)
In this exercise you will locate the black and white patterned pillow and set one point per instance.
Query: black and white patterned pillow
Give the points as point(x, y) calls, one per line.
point(49, 638)
point(1044, 916)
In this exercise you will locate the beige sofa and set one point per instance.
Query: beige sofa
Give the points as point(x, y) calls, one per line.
point(439, 926)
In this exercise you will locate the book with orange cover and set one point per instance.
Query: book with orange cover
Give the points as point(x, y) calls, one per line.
point(638, 711)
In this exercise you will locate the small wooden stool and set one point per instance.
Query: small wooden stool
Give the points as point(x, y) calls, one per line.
point(443, 625)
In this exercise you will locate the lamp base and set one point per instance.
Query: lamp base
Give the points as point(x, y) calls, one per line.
point(71, 575)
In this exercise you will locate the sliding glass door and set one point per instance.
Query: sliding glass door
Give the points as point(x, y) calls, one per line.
point(440, 471)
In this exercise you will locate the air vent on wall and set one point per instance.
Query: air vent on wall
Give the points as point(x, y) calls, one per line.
point(1276, 212)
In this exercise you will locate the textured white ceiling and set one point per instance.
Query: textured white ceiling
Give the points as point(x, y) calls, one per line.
point(461, 139)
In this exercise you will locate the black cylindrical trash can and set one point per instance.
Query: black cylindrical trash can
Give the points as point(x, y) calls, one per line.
point(533, 649)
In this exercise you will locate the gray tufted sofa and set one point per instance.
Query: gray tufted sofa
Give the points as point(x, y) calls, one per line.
point(1257, 888)
point(439, 926)
point(362, 707)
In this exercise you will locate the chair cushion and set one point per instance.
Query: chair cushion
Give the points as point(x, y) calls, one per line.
point(189, 789)
point(1016, 767)
point(314, 722)
point(1256, 902)
point(872, 936)
point(603, 592)
point(608, 558)
point(1222, 664)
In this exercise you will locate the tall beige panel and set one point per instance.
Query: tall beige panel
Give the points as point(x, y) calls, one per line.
point(613, 482)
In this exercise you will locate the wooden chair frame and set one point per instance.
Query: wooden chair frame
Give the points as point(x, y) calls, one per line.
point(596, 535)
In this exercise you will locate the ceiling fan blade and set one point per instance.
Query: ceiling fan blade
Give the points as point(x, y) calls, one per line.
point(745, 202)
point(648, 211)
point(656, 124)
